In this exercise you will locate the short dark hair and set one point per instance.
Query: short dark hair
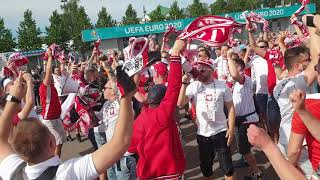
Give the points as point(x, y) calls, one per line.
point(240, 63)
point(206, 51)
point(292, 56)
point(30, 140)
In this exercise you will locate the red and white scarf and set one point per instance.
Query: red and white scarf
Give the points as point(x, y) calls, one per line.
point(254, 17)
point(291, 41)
point(212, 30)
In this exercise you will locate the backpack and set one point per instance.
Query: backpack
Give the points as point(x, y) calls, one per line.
point(48, 174)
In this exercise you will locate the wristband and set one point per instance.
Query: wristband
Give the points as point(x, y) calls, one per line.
point(12, 99)
point(185, 83)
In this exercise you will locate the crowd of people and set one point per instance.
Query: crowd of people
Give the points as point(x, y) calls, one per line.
point(261, 87)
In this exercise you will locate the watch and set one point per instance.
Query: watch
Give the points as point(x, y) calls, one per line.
point(12, 99)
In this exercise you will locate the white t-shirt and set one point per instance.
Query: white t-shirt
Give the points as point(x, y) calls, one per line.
point(209, 101)
point(243, 100)
point(222, 69)
point(76, 168)
point(259, 72)
point(281, 93)
point(109, 115)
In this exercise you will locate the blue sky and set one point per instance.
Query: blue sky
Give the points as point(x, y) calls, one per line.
point(12, 10)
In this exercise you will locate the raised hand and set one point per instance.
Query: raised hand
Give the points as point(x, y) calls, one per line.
point(19, 88)
point(297, 98)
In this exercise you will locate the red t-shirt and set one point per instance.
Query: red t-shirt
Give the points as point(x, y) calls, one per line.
point(51, 107)
point(298, 127)
point(272, 78)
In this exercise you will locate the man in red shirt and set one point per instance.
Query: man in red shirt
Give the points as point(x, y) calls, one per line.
point(155, 134)
point(51, 107)
point(305, 125)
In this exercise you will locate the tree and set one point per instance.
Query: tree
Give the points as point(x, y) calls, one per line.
point(175, 12)
point(74, 20)
point(56, 33)
point(6, 40)
point(218, 7)
point(105, 19)
point(28, 33)
point(197, 9)
point(130, 16)
point(156, 15)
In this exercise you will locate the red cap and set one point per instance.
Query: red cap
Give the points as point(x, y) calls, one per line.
point(160, 68)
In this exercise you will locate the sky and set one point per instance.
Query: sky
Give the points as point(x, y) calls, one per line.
point(12, 10)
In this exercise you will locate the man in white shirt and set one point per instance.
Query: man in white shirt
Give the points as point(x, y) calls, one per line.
point(222, 68)
point(125, 168)
point(215, 132)
point(301, 75)
point(31, 152)
point(244, 109)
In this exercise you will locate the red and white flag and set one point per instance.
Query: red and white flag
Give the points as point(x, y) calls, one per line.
point(212, 30)
point(138, 56)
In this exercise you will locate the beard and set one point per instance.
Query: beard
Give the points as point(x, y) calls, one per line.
point(203, 78)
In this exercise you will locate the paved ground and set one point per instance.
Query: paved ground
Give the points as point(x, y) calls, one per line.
point(75, 149)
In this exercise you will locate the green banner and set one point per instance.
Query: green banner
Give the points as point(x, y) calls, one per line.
point(160, 27)
point(273, 13)
point(133, 30)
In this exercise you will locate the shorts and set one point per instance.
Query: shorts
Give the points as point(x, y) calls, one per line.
point(260, 102)
point(273, 115)
point(55, 126)
point(208, 147)
point(244, 146)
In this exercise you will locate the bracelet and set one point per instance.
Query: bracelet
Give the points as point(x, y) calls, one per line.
point(185, 83)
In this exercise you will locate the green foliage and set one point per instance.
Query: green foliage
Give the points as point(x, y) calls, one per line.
point(130, 16)
point(156, 16)
point(6, 40)
point(28, 33)
point(105, 19)
point(74, 20)
point(218, 7)
point(197, 9)
point(56, 32)
point(175, 12)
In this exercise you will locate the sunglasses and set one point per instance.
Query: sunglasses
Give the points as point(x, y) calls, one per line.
point(263, 47)
point(202, 70)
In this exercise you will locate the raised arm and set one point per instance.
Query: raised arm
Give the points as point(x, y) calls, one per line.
point(310, 74)
point(260, 139)
point(183, 99)
point(259, 51)
point(48, 70)
point(170, 99)
point(18, 90)
point(29, 98)
point(233, 69)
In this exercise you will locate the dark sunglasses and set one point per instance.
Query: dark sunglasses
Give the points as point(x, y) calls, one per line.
point(263, 47)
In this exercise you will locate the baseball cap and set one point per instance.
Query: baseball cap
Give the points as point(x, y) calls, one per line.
point(160, 68)
point(156, 94)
